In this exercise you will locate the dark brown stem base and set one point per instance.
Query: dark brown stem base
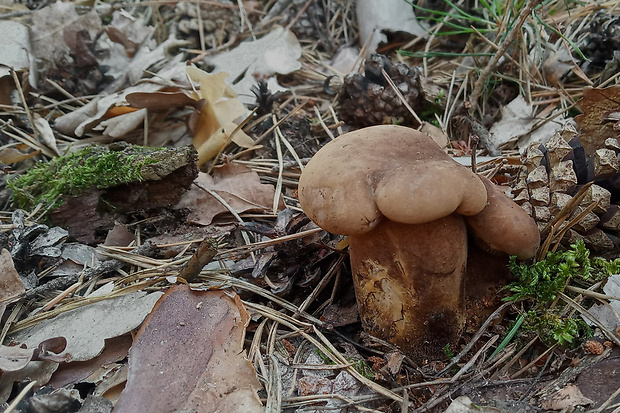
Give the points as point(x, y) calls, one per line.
point(409, 282)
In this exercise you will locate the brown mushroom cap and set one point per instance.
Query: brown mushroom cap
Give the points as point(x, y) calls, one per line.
point(391, 171)
point(504, 226)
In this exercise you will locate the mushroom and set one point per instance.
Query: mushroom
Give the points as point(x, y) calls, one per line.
point(503, 227)
point(401, 200)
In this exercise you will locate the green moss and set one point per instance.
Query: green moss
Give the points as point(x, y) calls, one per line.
point(94, 167)
point(554, 329)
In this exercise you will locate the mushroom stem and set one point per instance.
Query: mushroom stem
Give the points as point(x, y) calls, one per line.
point(409, 282)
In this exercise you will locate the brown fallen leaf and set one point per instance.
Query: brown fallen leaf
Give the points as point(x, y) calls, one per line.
point(116, 349)
point(569, 396)
point(237, 184)
point(596, 106)
point(188, 356)
point(18, 363)
point(161, 101)
point(11, 284)
point(218, 117)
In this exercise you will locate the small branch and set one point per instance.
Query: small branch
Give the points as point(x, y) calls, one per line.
point(490, 67)
point(205, 253)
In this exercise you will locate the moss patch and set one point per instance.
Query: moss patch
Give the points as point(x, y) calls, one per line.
point(94, 167)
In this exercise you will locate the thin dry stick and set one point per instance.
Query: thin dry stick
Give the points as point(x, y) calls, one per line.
point(592, 294)
point(205, 253)
point(608, 401)
point(278, 191)
point(322, 122)
point(62, 283)
point(611, 336)
point(20, 396)
point(471, 362)
point(490, 67)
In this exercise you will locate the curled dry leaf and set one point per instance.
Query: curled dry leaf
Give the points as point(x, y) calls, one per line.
point(188, 356)
point(237, 184)
point(11, 155)
point(217, 119)
point(11, 284)
point(121, 125)
point(161, 101)
point(595, 126)
point(392, 16)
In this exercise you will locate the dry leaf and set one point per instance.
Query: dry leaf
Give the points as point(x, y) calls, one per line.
point(392, 15)
point(121, 125)
point(570, 396)
point(237, 184)
point(607, 314)
point(39, 371)
point(517, 122)
point(161, 101)
point(191, 346)
point(11, 155)
point(11, 284)
point(86, 328)
point(14, 358)
point(49, 24)
point(463, 404)
point(45, 132)
point(14, 46)
point(595, 128)
point(92, 371)
point(217, 118)
point(278, 52)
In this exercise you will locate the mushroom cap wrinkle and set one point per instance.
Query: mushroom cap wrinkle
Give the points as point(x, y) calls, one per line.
point(391, 171)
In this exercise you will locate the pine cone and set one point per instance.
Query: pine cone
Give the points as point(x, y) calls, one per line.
point(603, 39)
point(554, 172)
point(368, 99)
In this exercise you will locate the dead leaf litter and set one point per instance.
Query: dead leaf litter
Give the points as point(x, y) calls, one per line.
point(155, 255)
